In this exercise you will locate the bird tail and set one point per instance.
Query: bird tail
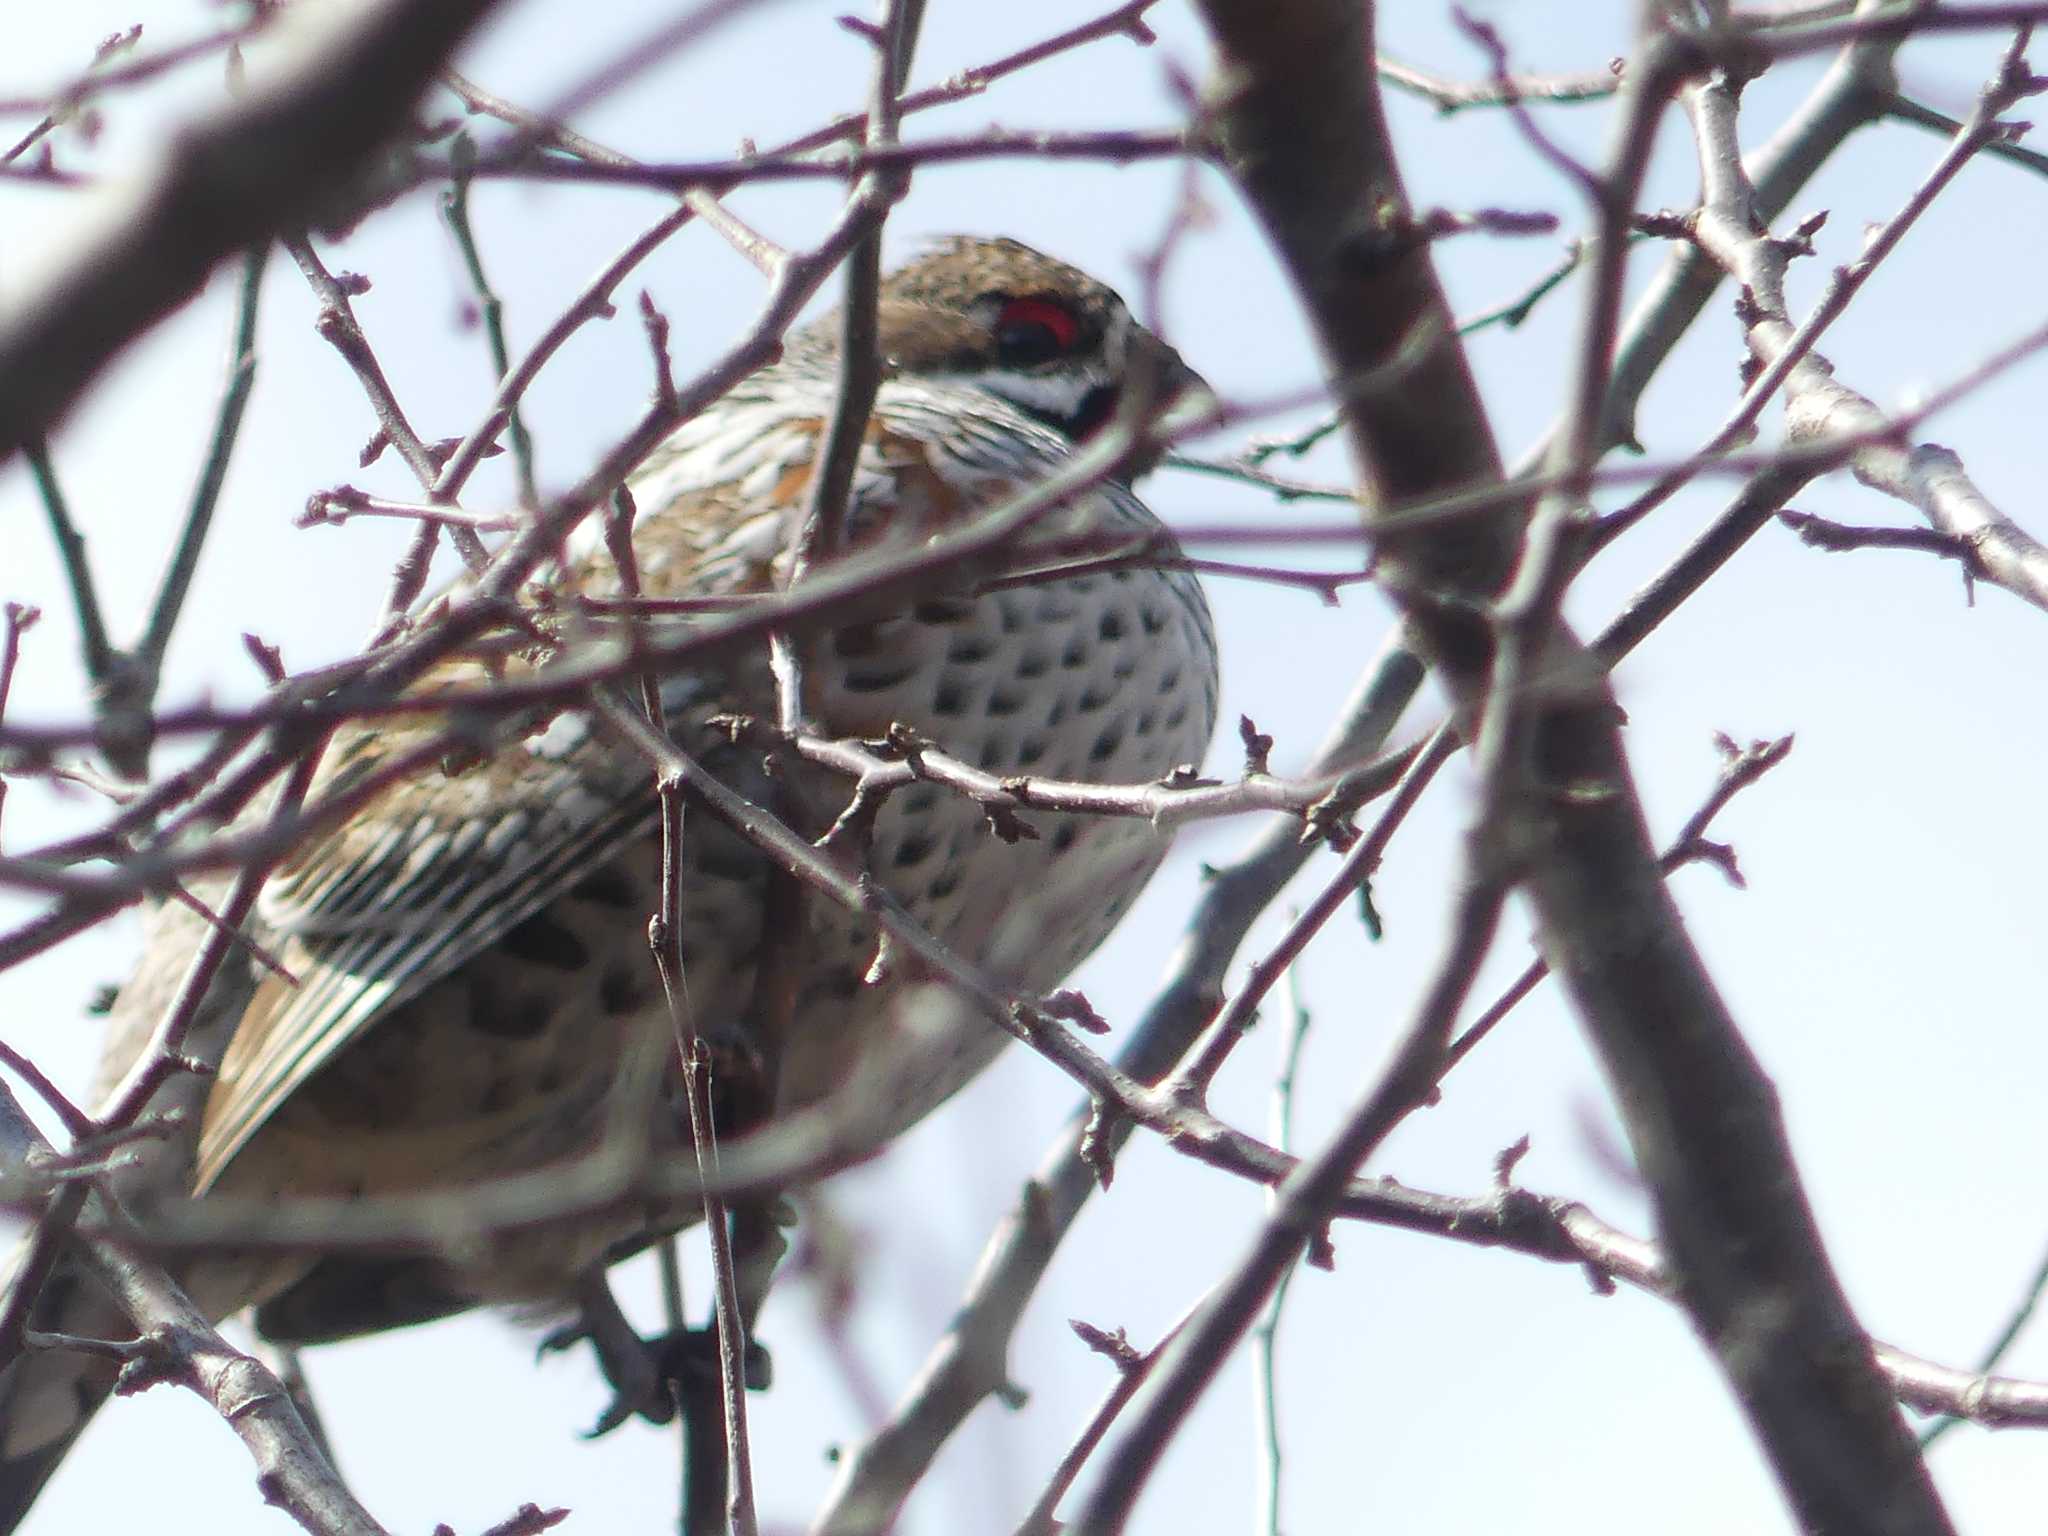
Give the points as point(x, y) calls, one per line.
point(48, 1395)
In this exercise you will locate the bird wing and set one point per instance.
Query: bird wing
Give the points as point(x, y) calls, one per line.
point(435, 869)
point(439, 865)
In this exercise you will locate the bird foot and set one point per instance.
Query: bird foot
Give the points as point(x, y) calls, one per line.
point(648, 1376)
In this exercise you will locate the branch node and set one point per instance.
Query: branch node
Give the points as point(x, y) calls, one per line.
point(1258, 747)
point(1114, 1346)
point(1073, 1006)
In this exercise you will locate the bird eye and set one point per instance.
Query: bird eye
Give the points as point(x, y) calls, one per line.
point(1033, 331)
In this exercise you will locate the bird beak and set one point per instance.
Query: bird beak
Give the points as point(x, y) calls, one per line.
point(1181, 398)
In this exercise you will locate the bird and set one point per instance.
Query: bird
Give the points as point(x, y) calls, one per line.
point(463, 962)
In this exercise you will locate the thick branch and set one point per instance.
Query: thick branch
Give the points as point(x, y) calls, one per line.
point(255, 168)
point(1306, 136)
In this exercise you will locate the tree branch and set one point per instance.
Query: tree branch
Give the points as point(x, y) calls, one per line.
point(254, 169)
point(1306, 137)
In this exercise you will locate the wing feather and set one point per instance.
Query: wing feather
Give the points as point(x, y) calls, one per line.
point(410, 914)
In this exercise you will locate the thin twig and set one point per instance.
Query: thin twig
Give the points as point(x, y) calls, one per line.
point(337, 324)
point(15, 620)
point(820, 532)
point(220, 447)
point(101, 76)
point(262, 162)
point(664, 938)
point(1117, 146)
point(1132, 1370)
point(2009, 1335)
point(491, 308)
point(1451, 96)
point(96, 652)
point(1742, 769)
point(1266, 1332)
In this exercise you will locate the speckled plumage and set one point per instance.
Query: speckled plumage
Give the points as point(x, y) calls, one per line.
point(471, 946)
point(499, 973)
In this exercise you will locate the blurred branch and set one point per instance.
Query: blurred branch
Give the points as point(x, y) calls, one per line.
point(230, 181)
point(96, 652)
point(120, 686)
point(103, 76)
point(1266, 1333)
point(491, 310)
point(15, 620)
point(220, 447)
point(1891, 20)
point(124, 682)
point(1905, 110)
point(1118, 146)
point(1453, 96)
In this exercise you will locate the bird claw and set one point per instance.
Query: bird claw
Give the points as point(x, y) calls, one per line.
point(628, 1364)
point(649, 1377)
point(557, 1340)
point(656, 1377)
point(668, 1369)
point(617, 1412)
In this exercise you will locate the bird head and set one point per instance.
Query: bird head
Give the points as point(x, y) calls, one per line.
point(1029, 329)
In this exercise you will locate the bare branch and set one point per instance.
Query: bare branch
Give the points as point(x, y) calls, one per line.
point(177, 578)
point(1930, 479)
point(104, 76)
point(255, 168)
point(176, 1343)
point(1452, 96)
point(1704, 1121)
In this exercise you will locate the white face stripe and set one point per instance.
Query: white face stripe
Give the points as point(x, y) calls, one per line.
point(1054, 395)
